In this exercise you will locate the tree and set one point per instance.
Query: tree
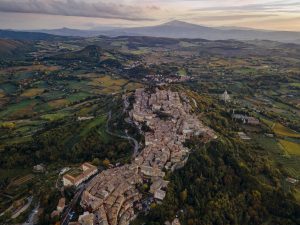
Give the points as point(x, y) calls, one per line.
point(106, 163)
point(183, 195)
point(96, 162)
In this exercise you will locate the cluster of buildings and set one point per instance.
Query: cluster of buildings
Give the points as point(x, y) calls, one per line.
point(87, 170)
point(245, 119)
point(113, 196)
point(159, 78)
point(164, 147)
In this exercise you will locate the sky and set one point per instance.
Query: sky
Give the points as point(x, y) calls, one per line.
point(94, 14)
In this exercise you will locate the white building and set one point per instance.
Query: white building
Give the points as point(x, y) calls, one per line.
point(225, 97)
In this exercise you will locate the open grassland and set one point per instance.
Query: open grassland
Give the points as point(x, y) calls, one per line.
point(279, 129)
point(182, 72)
point(119, 43)
point(101, 120)
point(53, 95)
point(295, 85)
point(284, 131)
point(19, 109)
point(58, 103)
point(140, 51)
point(77, 97)
point(54, 116)
point(107, 81)
point(31, 68)
point(289, 163)
point(111, 90)
point(186, 44)
point(132, 86)
point(111, 85)
point(267, 122)
point(291, 148)
point(32, 92)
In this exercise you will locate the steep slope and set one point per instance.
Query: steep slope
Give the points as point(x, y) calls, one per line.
point(9, 48)
point(93, 54)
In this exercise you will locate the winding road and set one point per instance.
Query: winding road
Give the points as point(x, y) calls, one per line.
point(127, 137)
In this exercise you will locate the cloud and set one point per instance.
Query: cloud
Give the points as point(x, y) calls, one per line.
point(233, 17)
point(278, 6)
point(82, 8)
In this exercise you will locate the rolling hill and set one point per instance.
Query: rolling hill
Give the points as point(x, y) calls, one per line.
point(28, 36)
point(9, 48)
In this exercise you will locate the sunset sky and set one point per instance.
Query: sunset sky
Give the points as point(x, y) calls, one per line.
point(92, 14)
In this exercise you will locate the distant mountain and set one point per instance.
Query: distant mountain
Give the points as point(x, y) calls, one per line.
point(12, 48)
point(71, 32)
point(27, 36)
point(179, 29)
point(176, 29)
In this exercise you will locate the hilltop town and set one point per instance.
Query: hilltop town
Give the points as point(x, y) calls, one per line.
point(112, 196)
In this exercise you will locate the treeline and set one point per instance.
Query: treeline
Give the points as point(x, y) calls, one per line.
point(217, 187)
point(227, 181)
point(61, 141)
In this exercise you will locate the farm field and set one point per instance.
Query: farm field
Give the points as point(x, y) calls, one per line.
point(32, 92)
point(284, 131)
point(291, 148)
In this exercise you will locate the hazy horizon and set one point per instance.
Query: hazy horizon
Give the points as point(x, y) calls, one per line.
point(92, 14)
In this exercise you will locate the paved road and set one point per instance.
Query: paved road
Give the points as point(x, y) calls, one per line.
point(131, 139)
point(33, 218)
point(66, 217)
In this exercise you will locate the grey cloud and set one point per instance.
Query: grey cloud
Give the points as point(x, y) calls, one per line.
point(278, 6)
point(102, 9)
point(233, 17)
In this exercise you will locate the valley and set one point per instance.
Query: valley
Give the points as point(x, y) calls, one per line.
point(63, 104)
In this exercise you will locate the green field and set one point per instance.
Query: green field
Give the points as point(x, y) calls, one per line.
point(54, 116)
point(291, 148)
point(77, 97)
point(182, 72)
point(19, 109)
point(284, 131)
point(101, 120)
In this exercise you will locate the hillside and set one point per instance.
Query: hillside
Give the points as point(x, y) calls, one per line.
point(23, 35)
point(10, 48)
point(89, 53)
